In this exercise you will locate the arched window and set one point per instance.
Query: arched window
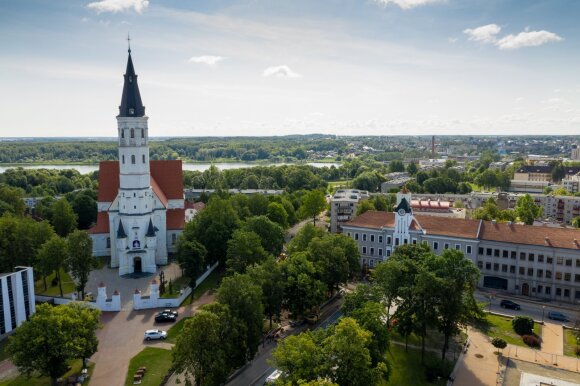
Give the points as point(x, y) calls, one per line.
point(133, 159)
point(142, 133)
point(123, 159)
point(132, 133)
point(143, 156)
point(122, 133)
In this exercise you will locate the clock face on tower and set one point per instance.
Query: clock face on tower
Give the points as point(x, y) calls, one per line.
point(401, 212)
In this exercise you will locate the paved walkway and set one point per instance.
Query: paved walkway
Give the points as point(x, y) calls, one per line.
point(479, 365)
point(553, 338)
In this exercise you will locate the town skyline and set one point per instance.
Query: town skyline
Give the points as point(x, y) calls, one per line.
point(251, 68)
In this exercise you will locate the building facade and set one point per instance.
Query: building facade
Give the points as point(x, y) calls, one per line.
point(542, 262)
point(343, 206)
point(16, 298)
point(140, 202)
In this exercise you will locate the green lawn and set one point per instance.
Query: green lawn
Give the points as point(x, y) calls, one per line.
point(68, 286)
point(157, 361)
point(175, 330)
point(210, 283)
point(45, 381)
point(176, 285)
point(501, 327)
point(407, 369)
point(570, 343)
point(434, 339)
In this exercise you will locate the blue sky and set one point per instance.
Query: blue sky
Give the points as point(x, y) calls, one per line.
point(258, 67)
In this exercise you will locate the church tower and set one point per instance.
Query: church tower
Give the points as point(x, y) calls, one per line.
point(403, 217)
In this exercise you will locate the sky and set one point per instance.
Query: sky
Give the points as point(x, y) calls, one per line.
point(275, 67)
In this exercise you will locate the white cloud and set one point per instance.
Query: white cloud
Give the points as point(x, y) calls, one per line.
point(452, 40)
point(206, 59)
point(119, 5)
point(281, 72)
point(527, 39)
point(407, 4)
point(483, 34)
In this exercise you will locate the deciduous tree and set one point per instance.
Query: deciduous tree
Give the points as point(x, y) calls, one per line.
point(312, 204)
point(80, 261)
point(244, 249)
point(191, 256)
point(52, 257)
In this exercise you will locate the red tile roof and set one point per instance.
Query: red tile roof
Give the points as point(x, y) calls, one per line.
point(448, 226)
point(175, 219)
point(102, 225)
point(373, 219)
point(532, 235)
point(108, 181)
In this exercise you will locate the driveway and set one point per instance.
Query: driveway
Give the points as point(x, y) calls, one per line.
point(121, 338)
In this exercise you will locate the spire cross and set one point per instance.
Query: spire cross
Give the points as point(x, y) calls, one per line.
point(129, 42)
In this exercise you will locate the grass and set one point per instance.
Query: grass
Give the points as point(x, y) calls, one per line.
point(210, 283)
point(21, 380)
point(570, 343)
point(434, 339)
point(501, 327)
point(175, 330)
point(407, 369)
point(68, 285)
point(157, 361)
point(176, 284)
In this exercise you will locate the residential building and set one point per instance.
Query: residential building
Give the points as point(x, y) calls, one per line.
point(575, 153)
point(541, 262)
point(343, 207)
point(572, 183)
point(16, 298)
point(140, 202)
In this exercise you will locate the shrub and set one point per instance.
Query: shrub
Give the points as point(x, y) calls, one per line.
point(532, 341)
point(437, 368)
point(523, 325)
point(499, 343)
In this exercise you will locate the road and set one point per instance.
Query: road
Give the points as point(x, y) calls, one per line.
point(536, 310)
point(259, 369)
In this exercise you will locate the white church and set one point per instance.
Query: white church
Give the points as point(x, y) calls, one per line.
point(140, 202)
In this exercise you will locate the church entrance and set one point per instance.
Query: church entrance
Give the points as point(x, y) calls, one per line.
point(137, 265)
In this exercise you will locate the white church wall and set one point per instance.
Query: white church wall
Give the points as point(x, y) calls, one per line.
point(100, 244)
point(103, 206)
point(175, 204)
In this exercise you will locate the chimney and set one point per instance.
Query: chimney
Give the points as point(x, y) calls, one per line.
point(433, 147)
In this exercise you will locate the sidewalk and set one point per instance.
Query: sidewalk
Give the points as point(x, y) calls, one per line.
point(553, 339)
point(479, 365)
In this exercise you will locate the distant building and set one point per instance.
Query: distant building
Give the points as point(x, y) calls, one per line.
point(395, 180)
point(16, 298)
point(575, 154)
point(343, 207)
point(542, 262)
point(534, 173)
point(572, 183)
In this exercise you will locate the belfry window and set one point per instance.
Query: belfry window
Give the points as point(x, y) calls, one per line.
point(132, 133)
point(133, 159)
point(142, 133)
point(123, 160)
point(122, 133)
point(143, 156)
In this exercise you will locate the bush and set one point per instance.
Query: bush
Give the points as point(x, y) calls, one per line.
point(523, 325)
point(437, 368)
point(499, 343)
point(532, 341)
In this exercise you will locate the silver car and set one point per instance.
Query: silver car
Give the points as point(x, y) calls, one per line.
point(155, 334)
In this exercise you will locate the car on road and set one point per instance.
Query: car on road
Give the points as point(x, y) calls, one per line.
point(165, 317)
point(509, 304)
point(168, 311)
point(555, 315)
point(272, 378)
point(155, 334)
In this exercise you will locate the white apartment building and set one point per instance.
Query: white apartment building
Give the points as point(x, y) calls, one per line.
point(16, 298)
point(343, 207)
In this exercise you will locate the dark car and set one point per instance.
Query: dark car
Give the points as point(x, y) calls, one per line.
point(168, 311)
point(510, 304)
point(555, 315)
point(165, 317)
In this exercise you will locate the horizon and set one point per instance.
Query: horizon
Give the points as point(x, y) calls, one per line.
point(255, 68)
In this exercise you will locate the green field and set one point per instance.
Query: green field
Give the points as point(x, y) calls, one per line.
point(407, 369)
point(570, 342)
point(157, 361)
point(45, 381)
point(501, 327)
point(68, 285)
point(175, 330)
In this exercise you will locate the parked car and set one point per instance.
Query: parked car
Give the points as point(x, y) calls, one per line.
point(272, 378)
point(510, 304)
point(555, 315)
point(168, 311)
point(155, 334)
point(165, 317)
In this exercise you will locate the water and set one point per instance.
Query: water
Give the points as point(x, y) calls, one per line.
point(85, 169)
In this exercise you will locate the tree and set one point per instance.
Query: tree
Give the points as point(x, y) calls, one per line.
point(364, 206)
point(368, 180)
point(20, 241)
point(198, 352)
point(499, 343)
point(191, 258)
point(526, 210)
point(271, 234)
point(80, 260)
point(330, 262)
point(64, 219)
point(244, 299)
point(270, 278)
point(244, 249)
point(51, 338)
point(277, 214)
point(258, 204)
point(304, 236)
point(11, 200)
point(387, 278)
point(85, 207)
point(576, 222)
point(558, 172)
point(523, 325)
point(396, 166)
point(52, 257)
point(373, 318)
point(313, 203)
point(301, 356)
point(412, 168)
point(303, 291)
point(362, 294)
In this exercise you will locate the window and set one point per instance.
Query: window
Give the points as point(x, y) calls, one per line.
point(569, 262)
point(496, 267)
point(348, 233)
point(143, 157)
point(550, 260)
point(396, 241)
point(372, 251)
point(540, 289)
point(480, 251)
point(540, 273)
point(567, 276)
point(435, 245)
point(446, 245)
point(405, 241)
point(380, 239)
point(576, 278)
point(504, 267)
point(522, 270)
point(488, 251)
point(558, 275)
point(122, 133)
point(372, 238)
point(567, 293)
point(522, 255)
point(142, 133)
point(559, 260)
point(468, 249)
point(356, 236)
point(414, 241)
point(548, 290)
point(487, 265)
point(496, 252)
point(380, 251)
point(540, 258)
point(480, 264)
point(388, 252)
point(372, 262)
point(132, 133)
point(133, 159)
point(577, 262)
point(389, 240)
point(123, 157)
point(548, 274)
point(364, 250)
point(364, 237)
point(531, 257)
point(512, 269)
point(530, 272)
point(108, 242)
point(558, 291)
point(173, 238)
point(513, 255)
point(504, 254)
point(457, 247)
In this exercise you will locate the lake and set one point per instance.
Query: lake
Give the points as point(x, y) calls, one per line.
point(84, 169)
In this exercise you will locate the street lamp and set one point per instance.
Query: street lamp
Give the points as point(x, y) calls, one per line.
point(543, 311)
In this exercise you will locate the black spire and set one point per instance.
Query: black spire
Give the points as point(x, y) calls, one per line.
point(150, 230)
point(404, 204)
point(131, 105)
point(121, 231)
